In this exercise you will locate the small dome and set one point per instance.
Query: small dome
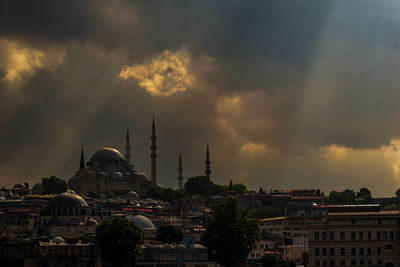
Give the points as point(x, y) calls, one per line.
point(19, 186)
point(116, 175)
point(107, 153)
point(132, 195)
point(58, 239)
point(67, 200)
point(142, 222)
point(91, 222)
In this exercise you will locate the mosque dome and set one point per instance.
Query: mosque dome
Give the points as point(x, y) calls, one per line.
point(19, 186)
point(116, 175)
point(142, 222)
point(91, 222)
point(107, 153)
point(132, 195)
point(58, 239)
point(67, 200)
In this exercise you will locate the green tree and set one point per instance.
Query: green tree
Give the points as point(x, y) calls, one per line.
point(267, 260)
point(231, 234)
point(181, 193)
point(199, 185)
point(398, 193)
point(54, 185)
point(169, 234)
point(110, 195)
point(364, 192)
point(240, 189)
point(347, 196)
point(119, 241)
point(155, 192)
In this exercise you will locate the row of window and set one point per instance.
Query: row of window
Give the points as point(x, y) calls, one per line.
point(343, 262)
point(342, 251)
point(353, 234)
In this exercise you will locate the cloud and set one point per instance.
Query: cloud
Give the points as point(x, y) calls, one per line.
point(18, 59)
point(164, 74)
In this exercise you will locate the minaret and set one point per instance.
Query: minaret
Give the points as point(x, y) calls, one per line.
point(128, 147)
point(208, 162)
point(153, 154)
point(180, 170)
point(82, 164)
point(82, 176)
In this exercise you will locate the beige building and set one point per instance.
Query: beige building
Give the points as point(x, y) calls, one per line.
point(357, 238)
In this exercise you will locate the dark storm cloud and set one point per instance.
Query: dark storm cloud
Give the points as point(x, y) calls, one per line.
point(279, 87)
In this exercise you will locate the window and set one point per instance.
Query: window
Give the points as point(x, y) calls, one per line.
point(324, 262)
point(361, 235)
point(369, 251)
point(361, 251)
point(323, 235)
point(316, 236)
point(332, 252)
point(378, 235)
point(353, 251)
point(384, 235)
point(369, 235)
point(379, 261)
point(361, 262)
point(342, 262)
point(316, 251)
point(342, 251)
point(391, 235)
point(316, 262)
point(332, 263)
point(353, 235)
point(379, 251)
point(331, 235)
point(324, 251)
point(369, 262)
point(341, 235)
point(397, 234)
point(353, 262)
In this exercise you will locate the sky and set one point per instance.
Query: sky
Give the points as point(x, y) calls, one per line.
point(288, 94)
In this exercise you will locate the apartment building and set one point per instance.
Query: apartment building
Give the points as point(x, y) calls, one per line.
point(365, 236)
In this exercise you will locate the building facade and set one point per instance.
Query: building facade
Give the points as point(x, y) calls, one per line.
point(356, 238)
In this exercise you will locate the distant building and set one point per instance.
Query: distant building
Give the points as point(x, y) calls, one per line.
point(354, 235)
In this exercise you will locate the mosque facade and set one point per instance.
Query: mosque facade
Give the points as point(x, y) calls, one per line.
point(110, 171)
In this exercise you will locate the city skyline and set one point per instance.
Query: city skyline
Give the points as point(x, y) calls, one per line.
point(287, 95)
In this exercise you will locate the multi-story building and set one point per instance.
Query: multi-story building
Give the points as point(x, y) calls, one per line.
point(365, 236)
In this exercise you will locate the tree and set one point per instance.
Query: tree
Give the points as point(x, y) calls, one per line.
point(54, 185)
point(119, 241)
point(345, 197)
point(240, 189)
point(199, 185)
point(364, 192)
point(231, 234)
point(169, 234)
point(181, 193)
point(267, 260)
point(110, 195)
point(398, 193)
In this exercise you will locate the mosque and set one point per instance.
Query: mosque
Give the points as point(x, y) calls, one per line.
point(110, 171)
